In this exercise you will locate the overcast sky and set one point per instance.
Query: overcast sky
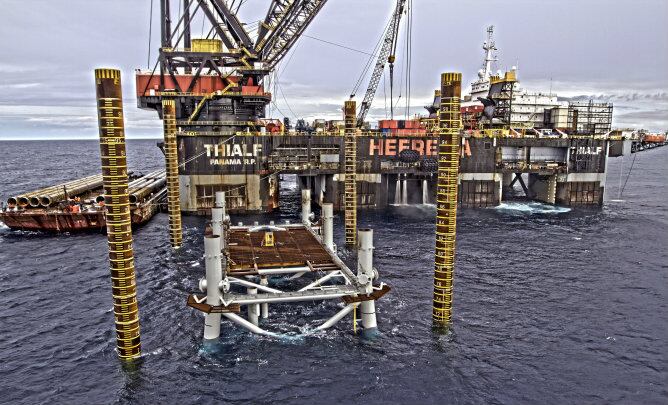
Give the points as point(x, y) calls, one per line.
point(612, 50)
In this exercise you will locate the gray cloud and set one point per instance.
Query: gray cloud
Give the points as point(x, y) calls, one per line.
point(46, 86)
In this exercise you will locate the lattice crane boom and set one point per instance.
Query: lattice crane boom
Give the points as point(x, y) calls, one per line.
point(286, 20)
point(385, 55)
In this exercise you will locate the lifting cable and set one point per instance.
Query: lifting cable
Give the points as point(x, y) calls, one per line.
point(406, 66)
point(385, 94)
point(409, 54)
point(150, 30)
point(280, 89)
point(203, 18)
point(178, 26)
point(635, 155)
point(370, 62)
point(339, 45)
point(277, 86)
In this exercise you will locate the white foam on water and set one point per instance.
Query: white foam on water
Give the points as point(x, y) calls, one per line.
point(3, 228)
point(532, 208)
point(418, 206)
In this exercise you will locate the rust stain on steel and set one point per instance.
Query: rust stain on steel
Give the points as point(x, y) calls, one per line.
point(376, 294)
point(212, 309)
point(292, 247)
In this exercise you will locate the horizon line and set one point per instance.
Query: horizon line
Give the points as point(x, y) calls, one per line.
point(73, 139)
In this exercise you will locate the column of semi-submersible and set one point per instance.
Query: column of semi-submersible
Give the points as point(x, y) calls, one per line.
point(350, 166)
point(119, 226)
point(172, 172)
point(446, 197)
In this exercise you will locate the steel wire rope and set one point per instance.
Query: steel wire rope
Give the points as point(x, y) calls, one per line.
point(261, 178)
point(276, 82)
point(409, 55)
point(178, 26)
point(150, 31)
point(203, 152)
point(370, 61)
point(202, 33)
point(404, 67)
point(280, 89)
point(635, 155)
point(339, 45)
point(385, 93)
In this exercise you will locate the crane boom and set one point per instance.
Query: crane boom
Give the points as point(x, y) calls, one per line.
point(286, 20)
point(386, 55)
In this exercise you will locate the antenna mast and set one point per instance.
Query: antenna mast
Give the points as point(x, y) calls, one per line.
point(489, 46)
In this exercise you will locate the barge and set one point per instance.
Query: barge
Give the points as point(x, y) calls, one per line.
point(79, 205)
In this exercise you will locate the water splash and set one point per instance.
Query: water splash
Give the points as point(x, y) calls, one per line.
point(532, 207)
point(397, 191)
point(425, 192)
point(404, 193)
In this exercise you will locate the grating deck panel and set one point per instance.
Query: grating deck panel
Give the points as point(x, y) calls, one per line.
point(293, 247)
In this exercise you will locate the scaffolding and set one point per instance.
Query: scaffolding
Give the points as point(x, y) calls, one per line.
point(501, 92)
point(589, 118)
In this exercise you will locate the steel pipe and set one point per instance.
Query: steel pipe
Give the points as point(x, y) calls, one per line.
point(306, 207)
point(264, 307)
point(337, 317)
point(328, 225)
point(321, 280)
point(217, 224)
point(220, 203)
point(285, 297)
point(365, 275)
point(262, 286)
point(214, 275)
point(32, 198)
point(253, 309)
point(139, 183)
point(150, 188)
point(87, 184)
point(244, 323)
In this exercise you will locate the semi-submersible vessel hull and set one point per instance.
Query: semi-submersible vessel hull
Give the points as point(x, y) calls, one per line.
point(391, 169)
point(223, 146)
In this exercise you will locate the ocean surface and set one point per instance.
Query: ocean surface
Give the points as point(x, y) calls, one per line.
point(552, 306)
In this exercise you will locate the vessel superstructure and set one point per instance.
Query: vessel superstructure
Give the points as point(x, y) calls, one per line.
point(527, 107)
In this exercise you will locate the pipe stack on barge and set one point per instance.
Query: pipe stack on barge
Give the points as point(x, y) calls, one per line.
point(79, 205)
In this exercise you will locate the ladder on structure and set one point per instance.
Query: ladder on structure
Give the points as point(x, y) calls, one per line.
point(350, 181)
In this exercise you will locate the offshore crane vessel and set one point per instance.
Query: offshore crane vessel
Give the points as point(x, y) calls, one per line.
point(218, 86)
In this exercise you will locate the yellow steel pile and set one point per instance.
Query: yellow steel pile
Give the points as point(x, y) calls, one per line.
point(446, 197)
point(119, 231)
point(350, 181)
point(172, 165)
